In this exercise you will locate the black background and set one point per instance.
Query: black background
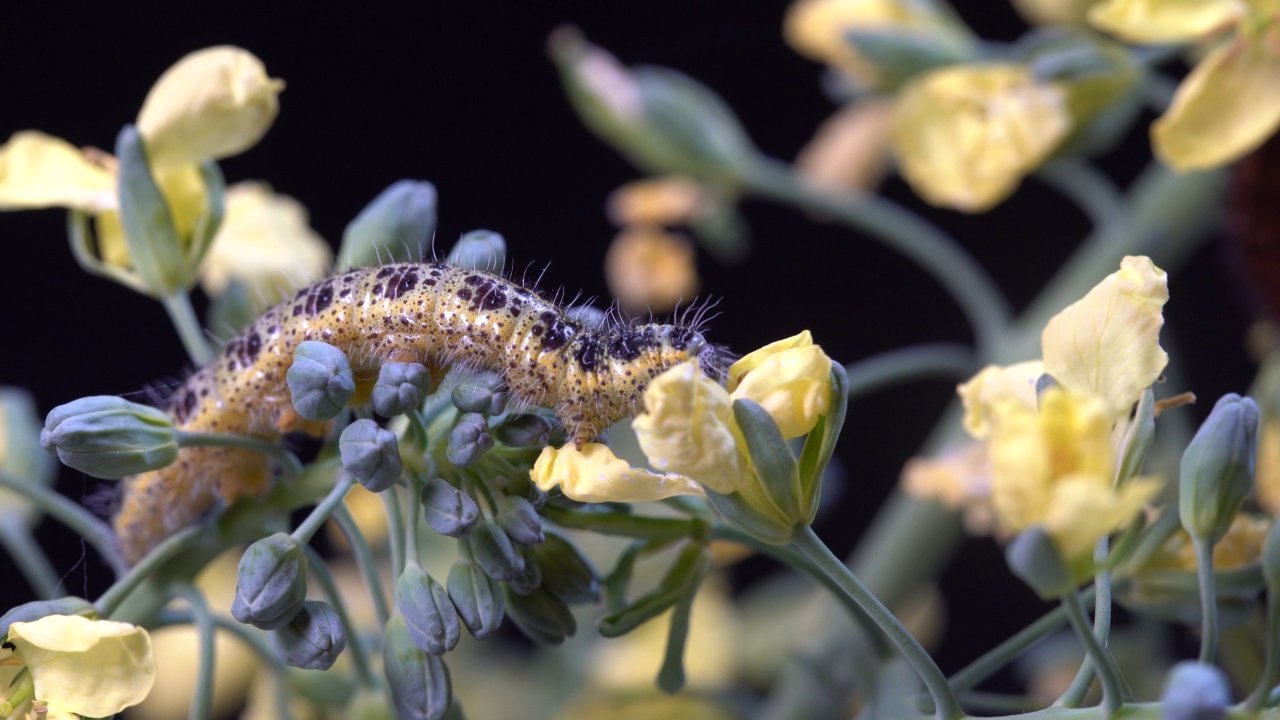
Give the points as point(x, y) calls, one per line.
point(462, 94)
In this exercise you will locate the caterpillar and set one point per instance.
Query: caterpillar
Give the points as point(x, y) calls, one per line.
point(430, 313)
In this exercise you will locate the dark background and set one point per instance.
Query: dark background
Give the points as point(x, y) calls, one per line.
point(462, 94)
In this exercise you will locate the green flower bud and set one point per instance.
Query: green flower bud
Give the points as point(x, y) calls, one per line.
point(1217, 468)
point(109, 437)
point(566, 572)
point(400, 388)
point(480, 397)
point(493, 552)
point(312, 640)
point(529, 579)
point(469, 440)
point(155, 250)
point(271, 582)
point(478, 599)
point(523, 431)
point(396, 227)
point(419, 681)
point(428, 613)
point(479, 250)
point(520, 520)
point(28, 612)
point(449, 511)
point(1036, 561)
point(1195, 691)
point(371, 454)
point(320, 381)
point(541, 616)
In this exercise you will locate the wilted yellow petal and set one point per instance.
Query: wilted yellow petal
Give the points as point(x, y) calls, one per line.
point(1081, 512)
point(793, 385)
point(94, 668)
point(966, 135)
point(595, 474)
point(1108, 342)
point(211, 104)
point(850, 151)
point(40, 171)
point(1171, 21)
point(686, 428)
point(670, 200)
point(996, 384)
point(1226, 107)
point(648, 268)
point(264, 243)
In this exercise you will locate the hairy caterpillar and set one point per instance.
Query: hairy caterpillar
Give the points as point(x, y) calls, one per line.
point(435, 314)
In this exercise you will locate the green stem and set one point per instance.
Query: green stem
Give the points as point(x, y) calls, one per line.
point(1106, 669)
point(945, 704)
point(1271, 666)
point(171, 547)
point(321, 512)
point(178, 305)
point(202, 702)
point(395, 531)
point(1079, 687)
point(94, 531)
point(910, 363)
point(922, 242)
point(1208, 600)
point(27, 554)
point(411, 527)
point(292, 466)
point(364, 561)
point(622, 524)
point(359, 653)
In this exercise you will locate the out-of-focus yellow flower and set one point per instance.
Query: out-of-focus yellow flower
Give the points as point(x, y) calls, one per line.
point(265, 243)
point(1241, 546)
point(996, 384)
point(966, 135)
point(648, 268)
point(670, 200)
point(595, 474)
point(1267, 468)
point(41, 171)
point(94, 668)
point(850, 151)
point(960, 478)
point(1230, 102)
point(211, 104)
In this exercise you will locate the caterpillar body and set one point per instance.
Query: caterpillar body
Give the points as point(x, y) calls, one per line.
point(431, 313)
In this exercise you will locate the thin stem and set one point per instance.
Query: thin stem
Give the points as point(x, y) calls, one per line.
point(910, 363)
point(1271, 666)
point(1208, 601)
point(94, 531)
point(922, 242)
point(321, 512)
point(395, 531)
point(30, 558)
point(1079, 687)
point(411, 527)
point(1107, 672)
point(945, 704)
point(364, 561)
point(202, 701)
point(183, 316)
point(171, 547)
point(358, 651)
point(292, 466)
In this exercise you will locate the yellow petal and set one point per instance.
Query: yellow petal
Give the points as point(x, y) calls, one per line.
point(1267, 474)
point(211, 104)
point(264, 243)
point(1171, 21)
point(595, 474)
point(966, 135)
point(1081, 512)
point(40, 171)
point(793, 385)
point(1226, 107)
point(650, 269)
point(670, 200)
point(850, 151)
point(1021, 481)
point(686, 428)
point(754, 359)
point(94, 668)
point(995, 384)
point(1108, 343)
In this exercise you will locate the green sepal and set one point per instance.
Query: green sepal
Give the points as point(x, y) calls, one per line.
point(208, 224)
point(155, 250)
point(899, 55)
point(82, 250)
point(566, 571)
point(774, 462)
point(419, 682)
point(1036, 560)
point(820, 443)
point(735, 509)
point(1138, 438)
point(690, 566)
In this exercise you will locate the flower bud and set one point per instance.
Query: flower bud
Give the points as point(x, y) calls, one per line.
point(477, 598)
point(523, 431)
point(487, 399)
point(419, 682)
point(400, 388)
point(396, 227)
point(109, 437)
point(1196, 691)
point(271, 583)
point(479, 250)
point(529, 579)
point(371, 454)
point(469, 440)
point(520, 520)
point(428, 613)
point(541, 616)
point(493, 552)
point(1037, 561)
point(28, 612)
point(449, 511)
point(566, 572)
point(312, 640)
point(1217, 468)
point(320, 381)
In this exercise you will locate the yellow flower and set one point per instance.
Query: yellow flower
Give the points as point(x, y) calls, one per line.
point(671, 200)
point(960, 478)
point(1267, 470)
point(648, 268)
point(790, 378)
point(850, 151)
point(1230, 102)
point(966, 135)
point(264, 243)
point(40, 171)
point(595, 474)
point(1240, 547)
point(94, 668)
point(687, 428)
